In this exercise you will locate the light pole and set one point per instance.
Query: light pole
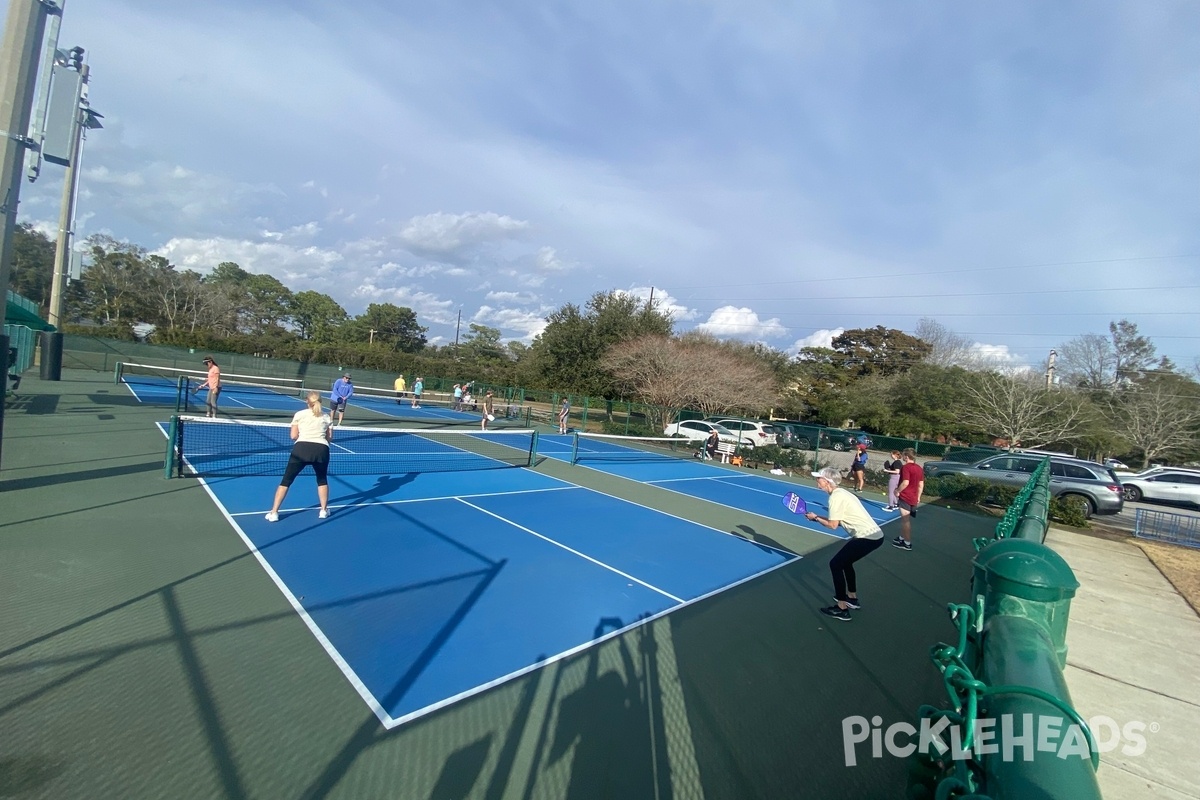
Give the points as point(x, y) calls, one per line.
point(22, 43)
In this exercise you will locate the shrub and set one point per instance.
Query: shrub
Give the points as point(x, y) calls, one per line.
point(961, 487)
point(1069, 511)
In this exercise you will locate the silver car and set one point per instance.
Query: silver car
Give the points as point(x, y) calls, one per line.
point(1092, 484)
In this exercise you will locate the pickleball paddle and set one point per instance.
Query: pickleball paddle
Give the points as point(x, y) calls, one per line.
point(795, 503)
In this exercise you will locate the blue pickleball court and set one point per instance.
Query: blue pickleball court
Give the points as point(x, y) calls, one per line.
point(425, 588)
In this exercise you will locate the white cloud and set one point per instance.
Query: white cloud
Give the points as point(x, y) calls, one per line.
point(297, 268)
point(741, 323)
point(664, 302)
point(442, 233)
point(822, 338)
point(547, 259)
point(428, 307)
point(511, 297)
point(528, 323)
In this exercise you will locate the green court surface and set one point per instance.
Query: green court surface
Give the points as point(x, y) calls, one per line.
point(144, 653)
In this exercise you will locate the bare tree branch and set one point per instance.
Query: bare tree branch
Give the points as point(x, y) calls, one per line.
point(1020, 409)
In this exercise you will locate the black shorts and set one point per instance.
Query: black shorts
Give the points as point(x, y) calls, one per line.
point(303, 454)
point(856, 467)
point(911, 508)
point(337, 405)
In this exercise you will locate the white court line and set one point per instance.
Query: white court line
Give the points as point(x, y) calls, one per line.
point(573, 551)
point(386, 719)
point(714, 502)
point(313, 628)
point(421, 499)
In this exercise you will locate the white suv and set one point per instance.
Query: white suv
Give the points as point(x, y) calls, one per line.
point(761, 433)
point(1175, 485)
point(699, 430)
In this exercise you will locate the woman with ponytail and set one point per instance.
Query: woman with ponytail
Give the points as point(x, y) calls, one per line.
point(312, 431)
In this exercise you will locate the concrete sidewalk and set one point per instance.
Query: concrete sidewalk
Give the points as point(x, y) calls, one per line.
point(1134, 656)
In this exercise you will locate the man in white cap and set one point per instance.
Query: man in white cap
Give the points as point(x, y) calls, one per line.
point(845, 511)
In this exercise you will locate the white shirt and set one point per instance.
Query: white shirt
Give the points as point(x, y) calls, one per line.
point(848, 510)
point(311, 427)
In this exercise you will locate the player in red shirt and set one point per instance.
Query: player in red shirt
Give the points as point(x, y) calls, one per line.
point(912, 484)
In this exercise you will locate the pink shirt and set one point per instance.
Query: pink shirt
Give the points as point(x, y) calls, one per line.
point(214, 377)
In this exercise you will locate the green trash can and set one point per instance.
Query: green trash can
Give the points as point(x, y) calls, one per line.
point(1023, 578)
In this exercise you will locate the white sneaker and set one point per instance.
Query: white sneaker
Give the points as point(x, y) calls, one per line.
point(272, 516)
point(323, 513)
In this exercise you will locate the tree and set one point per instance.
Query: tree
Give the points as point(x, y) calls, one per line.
point(32, 265)
point(1020, 409)
point(316, 316)
point(1133, 353)
point(949, 349)
point(394, 327)
point(691, 372)
point(482, 344)
point(1160, 419)
point(1086, 362)
point(1125, 356)
point(879, 350)
point(813, 377)
point(177, 296)
point(113, 288)
point(567, 355)
point(926, 402)
point(267, 304)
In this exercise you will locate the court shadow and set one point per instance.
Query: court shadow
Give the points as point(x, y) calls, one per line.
point(461, 770)
point(34, 404)
point(81, 475)
point(609, 725)
point(754, 537)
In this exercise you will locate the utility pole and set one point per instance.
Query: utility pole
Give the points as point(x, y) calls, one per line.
point(19, 51)
point(1050, 369)
point(457, 326)
point(84, 118)
point(371, 335)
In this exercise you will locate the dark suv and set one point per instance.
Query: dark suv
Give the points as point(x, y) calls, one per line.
point(837, 439)
point(1093, 484)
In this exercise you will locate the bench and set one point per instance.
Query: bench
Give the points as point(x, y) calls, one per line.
point(725, 451)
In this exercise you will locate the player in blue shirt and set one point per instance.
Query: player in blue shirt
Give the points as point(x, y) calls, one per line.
point(343, 390)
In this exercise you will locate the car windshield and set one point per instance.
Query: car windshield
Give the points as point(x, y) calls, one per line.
point(721, 429)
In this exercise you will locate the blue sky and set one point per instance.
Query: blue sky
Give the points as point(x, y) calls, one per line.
point(1022, 173)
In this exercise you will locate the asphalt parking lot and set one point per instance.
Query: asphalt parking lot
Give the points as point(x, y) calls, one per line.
point(1125, 520)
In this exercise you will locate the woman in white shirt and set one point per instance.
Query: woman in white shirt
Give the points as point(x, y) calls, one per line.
point(311, 431)
point(845, 511)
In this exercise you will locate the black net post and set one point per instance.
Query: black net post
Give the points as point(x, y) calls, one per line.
point(52, 351)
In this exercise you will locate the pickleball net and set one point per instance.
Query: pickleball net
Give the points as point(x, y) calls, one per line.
point(205, 447)
point(127, 372)
point(597, 447)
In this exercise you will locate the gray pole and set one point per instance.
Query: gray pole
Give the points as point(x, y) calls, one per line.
point(22, 43)
point(19, 54)
point(66, 216)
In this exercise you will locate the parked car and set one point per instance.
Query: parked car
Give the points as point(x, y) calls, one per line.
point(972, 456)
point(794, 434)
point(699, 430)
point(837, 439)
point(1163, 483)
point(1093, 484)
point(760, 433)
point(1117, 465)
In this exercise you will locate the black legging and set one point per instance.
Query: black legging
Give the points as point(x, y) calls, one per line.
point(303, 454)
point(842, 564)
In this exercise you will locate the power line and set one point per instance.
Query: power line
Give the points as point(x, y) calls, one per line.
point(943, 272)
